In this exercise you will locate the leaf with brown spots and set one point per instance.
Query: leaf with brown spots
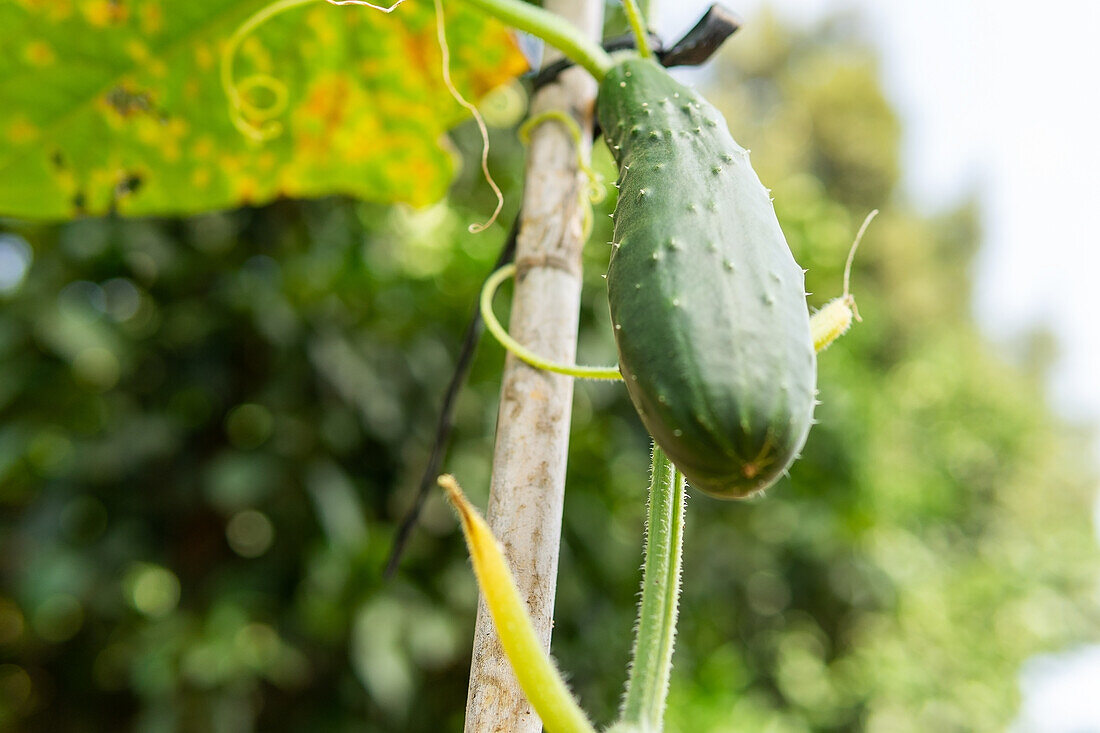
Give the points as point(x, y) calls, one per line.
point(116, 105)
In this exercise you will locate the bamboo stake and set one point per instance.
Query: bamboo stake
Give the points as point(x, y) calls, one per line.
point(529, 460)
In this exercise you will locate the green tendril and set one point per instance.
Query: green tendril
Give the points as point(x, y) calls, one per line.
point(594, 191)
point(254, 120)
point(637, 27)
point(835, 317)
point(509, 343)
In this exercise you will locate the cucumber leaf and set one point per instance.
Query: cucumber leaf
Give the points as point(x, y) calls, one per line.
point(116, 105)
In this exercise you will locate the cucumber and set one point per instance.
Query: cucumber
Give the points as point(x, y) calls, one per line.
point(707, 302)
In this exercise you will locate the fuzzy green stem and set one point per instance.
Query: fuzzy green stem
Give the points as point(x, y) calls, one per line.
point(651, 665)
point(551, 28)
point(536, 673)
point(637, 27)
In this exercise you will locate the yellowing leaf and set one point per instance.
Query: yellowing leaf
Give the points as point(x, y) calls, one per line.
point(116, 105)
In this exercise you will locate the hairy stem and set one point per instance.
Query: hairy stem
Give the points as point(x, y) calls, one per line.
point(551, 28)
point(655, 636)
point(637, 27)
point(538, 676)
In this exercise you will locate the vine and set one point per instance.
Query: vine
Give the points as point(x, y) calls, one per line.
point(595, 191)
point(647, 686)
point(445, 50)
point(521, 351)
point(655, 632)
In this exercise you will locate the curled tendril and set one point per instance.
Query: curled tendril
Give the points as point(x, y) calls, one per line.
point(594, 191)
point(500, 333)
point(445, 50)
point(262, 82)
point(256, 121)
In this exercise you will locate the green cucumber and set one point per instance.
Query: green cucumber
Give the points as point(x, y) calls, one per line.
point(707, 302)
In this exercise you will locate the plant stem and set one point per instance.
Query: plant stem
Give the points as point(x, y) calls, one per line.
point(637, 27)
point(651, 665)
point(551, 28)
point(536, 673)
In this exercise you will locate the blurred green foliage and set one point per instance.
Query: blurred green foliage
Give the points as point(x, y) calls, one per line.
point(210, 427)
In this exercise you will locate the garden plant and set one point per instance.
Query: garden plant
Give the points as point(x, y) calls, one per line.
point(718, 353)
point(716, 344)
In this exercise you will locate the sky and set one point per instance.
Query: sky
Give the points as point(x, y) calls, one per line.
point(999, 100)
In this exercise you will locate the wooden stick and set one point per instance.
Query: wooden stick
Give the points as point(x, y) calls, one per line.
point(528, 483)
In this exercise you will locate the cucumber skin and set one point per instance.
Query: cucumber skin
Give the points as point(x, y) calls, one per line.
point(707, 302)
